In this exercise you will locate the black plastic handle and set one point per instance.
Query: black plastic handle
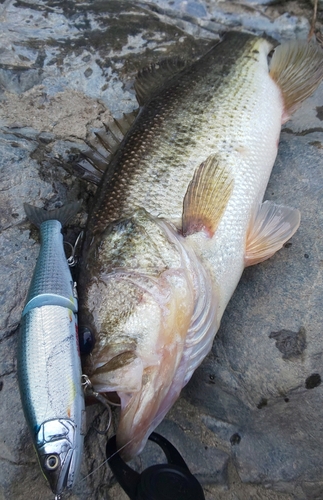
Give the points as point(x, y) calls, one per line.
point(171, 481)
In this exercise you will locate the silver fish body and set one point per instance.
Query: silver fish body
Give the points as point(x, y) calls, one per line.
point(49, 366)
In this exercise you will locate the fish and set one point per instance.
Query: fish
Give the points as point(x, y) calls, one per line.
point(49, 362)
point(179, 214)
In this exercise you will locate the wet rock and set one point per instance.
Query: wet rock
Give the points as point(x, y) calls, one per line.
point(253, 15)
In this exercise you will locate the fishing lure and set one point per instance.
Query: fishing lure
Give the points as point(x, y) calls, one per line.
point(49, 364)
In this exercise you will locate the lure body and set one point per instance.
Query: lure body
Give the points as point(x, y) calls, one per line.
point(49, 366)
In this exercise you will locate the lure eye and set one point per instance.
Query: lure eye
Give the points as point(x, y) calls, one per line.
point(51, 462)
point(86, 339)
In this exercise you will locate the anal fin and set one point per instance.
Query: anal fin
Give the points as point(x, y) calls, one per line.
point(269, 229)
point(207, 197)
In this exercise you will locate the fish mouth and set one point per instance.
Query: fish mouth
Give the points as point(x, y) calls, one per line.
point(141, 412)
point(58, 454)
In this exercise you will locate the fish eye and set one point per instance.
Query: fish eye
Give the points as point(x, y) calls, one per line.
point(51, 462)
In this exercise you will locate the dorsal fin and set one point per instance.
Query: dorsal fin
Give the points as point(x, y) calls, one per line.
point(207, 197)
point(115, 131)
point(153, 78)
point(89, 166)
point(92, 163)
point(119, 127)
point(125, 122)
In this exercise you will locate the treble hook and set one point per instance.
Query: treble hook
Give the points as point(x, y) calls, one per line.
point(73, 258)
point(89, 391)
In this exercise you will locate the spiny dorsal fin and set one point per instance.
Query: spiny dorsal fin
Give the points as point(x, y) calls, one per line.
point(119, 127)
point(153, 78)
point(115, 131)
point(207, 197)
point(271, 226)
point(297, 68)
point(94, 161)
point(96, 157)
point(89, 166)
point(125, 122)
point(81, 169)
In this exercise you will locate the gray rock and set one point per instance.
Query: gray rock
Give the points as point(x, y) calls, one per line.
point(255, 404)
point(202, 18)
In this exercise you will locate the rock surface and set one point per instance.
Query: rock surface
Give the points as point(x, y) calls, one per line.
point(249, 423)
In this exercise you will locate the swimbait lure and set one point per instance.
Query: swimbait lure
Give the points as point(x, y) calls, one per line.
point(49, 365)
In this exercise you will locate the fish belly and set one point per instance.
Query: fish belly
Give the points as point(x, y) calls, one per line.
point(247, 151)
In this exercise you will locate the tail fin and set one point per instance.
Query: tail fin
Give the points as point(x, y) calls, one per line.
point(297, 68)
point(63, 214)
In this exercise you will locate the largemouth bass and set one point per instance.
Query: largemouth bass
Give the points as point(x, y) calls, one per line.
point(49, 364)
point(179, 214)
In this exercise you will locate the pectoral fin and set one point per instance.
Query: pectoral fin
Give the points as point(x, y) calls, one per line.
point(207, 197)
point(271, 227)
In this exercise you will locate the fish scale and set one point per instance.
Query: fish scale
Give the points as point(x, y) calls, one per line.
point(152, 146)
